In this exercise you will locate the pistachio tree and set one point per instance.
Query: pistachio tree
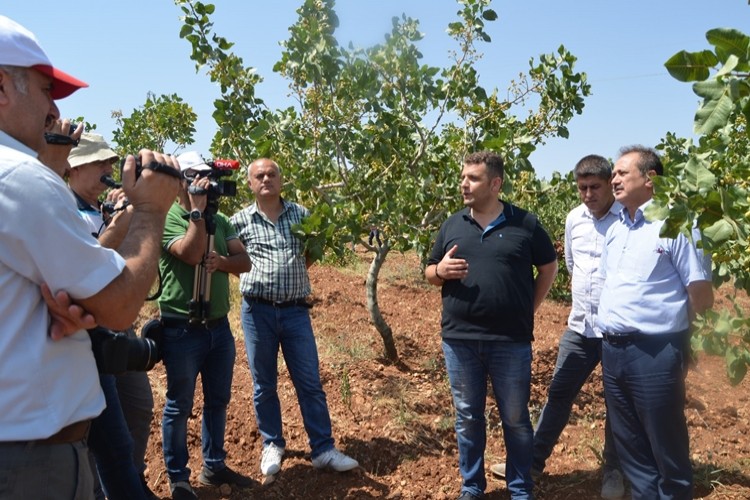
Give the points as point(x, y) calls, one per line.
point(709, 183)
point(373, 137)
point(161, 121)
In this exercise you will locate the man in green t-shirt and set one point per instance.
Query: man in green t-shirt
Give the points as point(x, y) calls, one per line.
point(197, 337)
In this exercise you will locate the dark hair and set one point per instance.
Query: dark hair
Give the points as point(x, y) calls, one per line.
point(648, 158)
point(593, 165)
point(492, 161)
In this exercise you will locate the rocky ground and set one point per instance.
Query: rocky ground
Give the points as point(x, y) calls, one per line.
point(397, 419)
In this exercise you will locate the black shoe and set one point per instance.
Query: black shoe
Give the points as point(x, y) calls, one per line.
point(224, 476)
point(182, 491)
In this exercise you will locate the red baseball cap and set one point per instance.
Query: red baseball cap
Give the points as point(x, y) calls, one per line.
point(19, 47)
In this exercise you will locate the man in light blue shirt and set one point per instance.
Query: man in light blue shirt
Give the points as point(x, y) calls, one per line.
point(653, 287)
point(580, 348)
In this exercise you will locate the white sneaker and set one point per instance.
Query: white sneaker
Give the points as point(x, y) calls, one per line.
point(334, 459)
point(612, 485)
point(270, 461)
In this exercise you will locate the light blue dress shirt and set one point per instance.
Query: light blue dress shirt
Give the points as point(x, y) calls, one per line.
point(646, 277)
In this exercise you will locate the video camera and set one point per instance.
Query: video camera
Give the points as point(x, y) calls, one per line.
point(217, 186)
point(153, 165)
point(117, 352)
point(62, 139)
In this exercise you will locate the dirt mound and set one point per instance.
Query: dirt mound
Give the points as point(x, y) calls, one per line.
point(397, 420)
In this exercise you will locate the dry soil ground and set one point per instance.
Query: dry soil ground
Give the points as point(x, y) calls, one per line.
point(397, 419)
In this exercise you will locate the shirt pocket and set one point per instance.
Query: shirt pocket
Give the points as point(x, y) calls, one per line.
point(650, 265)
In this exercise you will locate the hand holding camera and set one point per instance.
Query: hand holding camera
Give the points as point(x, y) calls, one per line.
point(60, 137)
point(198, 191)
point(151, 181)
point(63, 132)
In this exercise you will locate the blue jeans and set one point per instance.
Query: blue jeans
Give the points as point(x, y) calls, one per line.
point(576, 359)
point(112, 446)
point(189, 351)
point(508, 365)
point(266, 329)
point(645, 389)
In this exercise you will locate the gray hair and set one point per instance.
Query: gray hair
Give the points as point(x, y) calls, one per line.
point(20, 77)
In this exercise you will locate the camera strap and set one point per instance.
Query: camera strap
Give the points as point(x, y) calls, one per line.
point(60, 139)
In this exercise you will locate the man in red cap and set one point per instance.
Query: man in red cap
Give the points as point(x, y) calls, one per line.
point(49, 388)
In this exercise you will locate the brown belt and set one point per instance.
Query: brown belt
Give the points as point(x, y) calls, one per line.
point(68, 434)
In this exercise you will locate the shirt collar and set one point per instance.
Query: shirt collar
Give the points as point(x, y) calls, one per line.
point(253, 209)
point(507, 213)
point(625, 217)
point(7, 140)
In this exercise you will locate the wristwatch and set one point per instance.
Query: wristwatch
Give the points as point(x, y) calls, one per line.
point(196, 214)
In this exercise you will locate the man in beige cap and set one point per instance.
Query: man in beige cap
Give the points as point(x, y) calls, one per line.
point(119, 436)
point(88, 162)
point(49, 388)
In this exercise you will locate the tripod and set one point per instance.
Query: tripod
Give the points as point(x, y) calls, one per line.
point(200, 305)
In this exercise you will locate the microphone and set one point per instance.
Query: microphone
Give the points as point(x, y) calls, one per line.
point(221, 164)
point(109, 182)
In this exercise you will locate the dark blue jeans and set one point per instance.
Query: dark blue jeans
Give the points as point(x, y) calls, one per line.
point(266, 329)
point(189, 351)
point(508, 366)
point(576, 359)
point(644, 384)
point(112, 446)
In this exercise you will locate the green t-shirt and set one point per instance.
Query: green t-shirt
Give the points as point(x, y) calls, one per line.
point(178, 276)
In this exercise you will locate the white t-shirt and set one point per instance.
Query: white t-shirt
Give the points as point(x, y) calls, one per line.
point(44, 384)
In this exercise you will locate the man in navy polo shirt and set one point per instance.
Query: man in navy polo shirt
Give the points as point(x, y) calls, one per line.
point(484, 259)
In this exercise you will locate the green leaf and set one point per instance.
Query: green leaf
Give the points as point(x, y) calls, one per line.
point(709, 89)
point(656, 211)
point(729, 66)
point(691, 66)
point(719, 231)
point(698, 175)
point(729, 42)
point(736, 366)
point(489, 15)
point(185, 30)
point(713, 115)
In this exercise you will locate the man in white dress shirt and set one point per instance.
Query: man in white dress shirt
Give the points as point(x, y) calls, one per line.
point(580, 348)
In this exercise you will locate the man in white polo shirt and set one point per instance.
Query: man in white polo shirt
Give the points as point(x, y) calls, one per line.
point(49, 388)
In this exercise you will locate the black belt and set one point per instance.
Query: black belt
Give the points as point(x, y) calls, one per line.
point(623, 338)
point(209, 324)
point(280, 305)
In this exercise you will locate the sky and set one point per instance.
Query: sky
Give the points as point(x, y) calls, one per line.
point(125, 49)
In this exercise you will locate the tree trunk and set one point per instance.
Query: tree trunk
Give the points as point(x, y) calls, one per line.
point(372, 303)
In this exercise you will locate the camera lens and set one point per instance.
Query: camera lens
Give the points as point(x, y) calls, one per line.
point(143, 354)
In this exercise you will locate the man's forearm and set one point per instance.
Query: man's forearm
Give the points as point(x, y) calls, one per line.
point(116, 231)
point(543, 283)
point(235, 264)
point(117, 305)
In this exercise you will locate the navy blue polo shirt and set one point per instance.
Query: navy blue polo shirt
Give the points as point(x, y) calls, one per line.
point(496, 300)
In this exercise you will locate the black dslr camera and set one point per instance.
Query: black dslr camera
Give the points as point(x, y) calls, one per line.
point(116, 352)
point(217, 186)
